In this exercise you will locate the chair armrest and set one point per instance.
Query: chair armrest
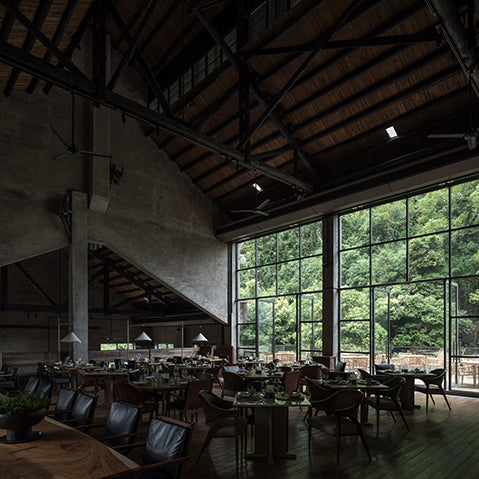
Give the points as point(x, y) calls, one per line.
point(59, 411)
point(133, 444)
point(69, 421)
point(158, 465)
point(97, 424)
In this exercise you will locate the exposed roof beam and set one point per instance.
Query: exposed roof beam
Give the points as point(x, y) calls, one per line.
point(299, 71)
point(7, 24)
point(35, 284)
point(67, 80)
point(384, 40)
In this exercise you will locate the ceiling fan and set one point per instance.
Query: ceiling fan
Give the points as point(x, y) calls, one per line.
point(71, 147)
point(259, 210)
point(470, 136)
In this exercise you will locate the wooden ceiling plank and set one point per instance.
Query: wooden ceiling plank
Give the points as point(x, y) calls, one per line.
point(40, 16)
point(57, 37)
point(152, 82)
point(132, 44)
point(36, 33)
point(299, 71)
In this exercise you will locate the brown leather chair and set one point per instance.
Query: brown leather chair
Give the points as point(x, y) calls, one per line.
point(191, 403)
point(232, 383)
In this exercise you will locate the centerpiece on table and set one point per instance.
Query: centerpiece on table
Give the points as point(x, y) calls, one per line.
point(18, 413)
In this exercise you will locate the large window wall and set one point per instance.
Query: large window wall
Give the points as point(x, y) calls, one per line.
point(409, 277)
point(279, 294)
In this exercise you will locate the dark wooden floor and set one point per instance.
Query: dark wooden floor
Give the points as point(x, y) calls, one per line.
point(440, 444)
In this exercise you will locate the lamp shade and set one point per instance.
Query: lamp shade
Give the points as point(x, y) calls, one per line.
point(71, 337)
point(200, 338)
point(143, 337)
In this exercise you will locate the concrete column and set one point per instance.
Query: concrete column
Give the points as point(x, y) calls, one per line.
point(78, 274)
point(330, 286)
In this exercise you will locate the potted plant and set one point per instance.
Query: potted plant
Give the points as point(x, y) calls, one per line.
point(19, 412)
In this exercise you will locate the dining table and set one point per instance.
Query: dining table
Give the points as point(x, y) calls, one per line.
point(271, 416)
point(62, 452)
point(109, 377)
point(406, 395)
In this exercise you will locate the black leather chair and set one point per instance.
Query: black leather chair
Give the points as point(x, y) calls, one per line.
point(380, 368)
point(57, 379)
point(31, 385)
point(121, 426)
point(165, 450)
point(45, 388)
point(82, 412)
point(64, 405)
point(9, 383)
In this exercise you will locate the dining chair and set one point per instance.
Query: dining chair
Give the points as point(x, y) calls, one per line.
point(191, 402)
point(388, 400)
point(341, 420)
point(313, 371)
point(223, 421)
point(432, 386)
point(57, 379)
point(130, 394)
point(88, 383)
point(232, 383)
point(165, 450)
point(45, 389)
point(64, 405)
point(31, 385)
point(340, 366)
point(291, 381)
point(82, 412)
point(121, 426)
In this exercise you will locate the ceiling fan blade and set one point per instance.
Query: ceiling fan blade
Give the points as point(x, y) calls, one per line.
point(92, 153)
point(446, 135)
point(62, 155)
point(65, 142)
point(263, 205)
point(259, 212)
point(242, 211)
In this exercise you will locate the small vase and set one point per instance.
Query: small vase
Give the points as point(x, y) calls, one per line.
point(19, 426)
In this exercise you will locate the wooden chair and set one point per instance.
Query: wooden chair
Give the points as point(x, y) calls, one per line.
point(87, 383)
point(317, 395)
point(232, 383)
point(291, 381)
point(342, 420)
point(432, 386)
point(191, 402)
point(223, 421)
point(388, 400)
point(128, 393)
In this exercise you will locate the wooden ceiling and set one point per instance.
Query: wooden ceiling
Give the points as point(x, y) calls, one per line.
point(294, 96)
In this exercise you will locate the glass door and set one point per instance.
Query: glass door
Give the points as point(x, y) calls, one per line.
point(265, 328)
point(381, 348)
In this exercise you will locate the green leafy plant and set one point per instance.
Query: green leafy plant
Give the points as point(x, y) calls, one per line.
point(19, 403)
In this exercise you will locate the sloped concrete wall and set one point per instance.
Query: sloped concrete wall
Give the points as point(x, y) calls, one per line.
point(157, 218)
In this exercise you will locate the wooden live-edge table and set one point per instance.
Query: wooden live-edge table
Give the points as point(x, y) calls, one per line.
point(271, 424)
point(62, 452)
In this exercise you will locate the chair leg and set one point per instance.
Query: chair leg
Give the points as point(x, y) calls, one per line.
point(309, 437)
point(363, 439)
point(402, 415)
point(445, 397)
point(377, 421)
point(205, 444)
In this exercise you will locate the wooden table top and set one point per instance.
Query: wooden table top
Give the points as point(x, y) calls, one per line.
point(280, 400)
point(61, 453)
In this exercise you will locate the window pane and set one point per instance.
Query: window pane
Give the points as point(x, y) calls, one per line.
point(288, 244)
point(306, 308)
point(267, 280)
point(428, 257)
point(311, 269)
point(246, 283)
point(288, 277)
point(285, 323)
point(311, 239)
point(465, 204)
point(355, 267)
point(247, 311)
point(468, 291)
point(355, 304)
point(389, 221)
point(468, 339)
point(247, 336)
point(311, 336)
point(465, 252)
point(429, 213)
point(355, 229)
point(267, 249)
point(265, 329)
point(354, 336)
point(246, 254)
point(389, 262)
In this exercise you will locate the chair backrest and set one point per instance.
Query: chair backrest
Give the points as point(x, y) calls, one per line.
point(291, 380)
point(31, 385)
point(192, 396)
point(45, 389)
point(118, 363)
point(394, 387)
point(311, 371)
point(122, 419)
point(84, 408)
point(440, 376)
point(134, 376)
point(384, 367)
point(233, 381)
point(345, 403)
point(231, 368)
point(128, 393)
point(213, 406)
point(317, 391)
point(364, 374)
point(42, 371)
point(340, 366)
point(167, 439)
point(65, 401)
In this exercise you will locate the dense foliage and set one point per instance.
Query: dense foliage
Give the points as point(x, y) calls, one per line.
point(20, 403)
point(419, 251)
